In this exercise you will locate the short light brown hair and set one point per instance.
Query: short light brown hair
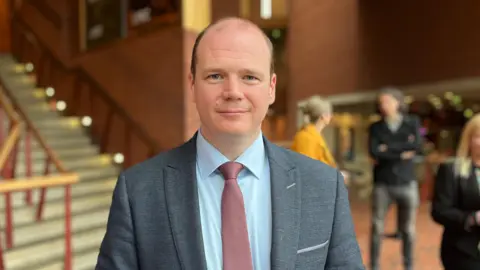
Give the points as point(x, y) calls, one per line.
point(193, 63)
point(316, 107)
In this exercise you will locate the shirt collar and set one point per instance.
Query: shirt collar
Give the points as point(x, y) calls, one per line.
point(209, 158)
point(397, 120)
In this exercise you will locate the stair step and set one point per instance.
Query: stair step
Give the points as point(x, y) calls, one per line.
point(51, 251)
point(81, 261)
point(62, 133)
point(87, 171)
point(53, 133)
point(62, 122)
point(60, 145)
point(52, 229)
point(64, 154)
point(55, 209)
point(77, 165)
point(67, 141)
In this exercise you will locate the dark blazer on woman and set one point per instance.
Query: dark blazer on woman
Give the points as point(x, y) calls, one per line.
point(454, 200)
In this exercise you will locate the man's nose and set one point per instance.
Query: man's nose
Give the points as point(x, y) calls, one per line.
point(232, 89)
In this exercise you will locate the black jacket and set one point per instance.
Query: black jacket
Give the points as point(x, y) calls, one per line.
point(389, 167)
point(454, 199)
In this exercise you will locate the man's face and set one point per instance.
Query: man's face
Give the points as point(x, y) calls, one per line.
point(388, 104)
point(233, 87)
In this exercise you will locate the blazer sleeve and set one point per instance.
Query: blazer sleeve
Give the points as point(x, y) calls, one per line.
point(415, 145)
point(374, 147)
point(445, 210)
point(343, 250)
point(117, 251)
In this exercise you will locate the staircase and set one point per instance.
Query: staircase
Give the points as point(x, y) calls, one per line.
point(40, 245)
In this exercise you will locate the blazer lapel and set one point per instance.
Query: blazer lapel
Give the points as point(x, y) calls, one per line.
point(183, 209)
point(285, 208)
point(473, 187)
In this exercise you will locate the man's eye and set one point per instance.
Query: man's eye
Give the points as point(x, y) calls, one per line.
point(250, 78)
point(214, 77)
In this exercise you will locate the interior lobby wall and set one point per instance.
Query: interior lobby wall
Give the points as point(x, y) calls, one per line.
point(351, 46)
point(4, 27)
point(322, 50)
point(412, 41)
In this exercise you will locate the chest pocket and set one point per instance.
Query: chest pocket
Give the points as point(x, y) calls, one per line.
point(313, 257)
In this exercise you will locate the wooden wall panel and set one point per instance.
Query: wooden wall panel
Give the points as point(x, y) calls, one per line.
point(145, 76)
point(322, 50)
point(4, 27)
point(351, 46)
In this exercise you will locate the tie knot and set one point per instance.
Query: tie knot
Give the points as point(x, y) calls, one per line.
point(230, 170)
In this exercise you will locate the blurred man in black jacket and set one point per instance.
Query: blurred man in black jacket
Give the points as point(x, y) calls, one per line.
point(393, 143)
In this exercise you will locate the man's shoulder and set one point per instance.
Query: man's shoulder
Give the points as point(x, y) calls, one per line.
point(307, 167)
point(376, 123)
point(154, 164)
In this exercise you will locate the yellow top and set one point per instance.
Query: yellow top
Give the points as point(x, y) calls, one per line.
point(308, 141)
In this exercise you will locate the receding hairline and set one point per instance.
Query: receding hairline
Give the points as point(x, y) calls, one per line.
point(220, 25)
point(241, 23)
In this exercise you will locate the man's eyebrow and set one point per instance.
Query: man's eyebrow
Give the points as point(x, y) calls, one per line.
point(250, 71)
point(212, 69)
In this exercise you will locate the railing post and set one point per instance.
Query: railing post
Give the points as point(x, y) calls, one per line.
point(28, 163)
point(68, 228)
point(8, 220)
point(76, 95)
point(2, 265)
point(8, 173)
point(106, 132)
point(2, 125)
point(43, 191)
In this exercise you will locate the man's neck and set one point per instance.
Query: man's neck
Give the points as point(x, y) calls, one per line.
point(231, 146)
point(394, 117)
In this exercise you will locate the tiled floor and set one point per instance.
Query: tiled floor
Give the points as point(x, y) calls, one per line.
point(428, 238)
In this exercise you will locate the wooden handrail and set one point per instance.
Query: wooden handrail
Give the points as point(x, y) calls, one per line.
point(9, 110)
point(142, 134)
point(9, 144)
point(28, 122)
point(47, 12)
point(22, 184)
point(14, 133)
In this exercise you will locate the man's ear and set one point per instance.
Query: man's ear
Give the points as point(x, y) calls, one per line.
point(191, 85)
point(272, 88)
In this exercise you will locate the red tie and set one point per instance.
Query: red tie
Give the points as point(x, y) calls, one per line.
point(236, 246)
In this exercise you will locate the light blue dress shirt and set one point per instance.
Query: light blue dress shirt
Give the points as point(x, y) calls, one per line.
point(254, 182)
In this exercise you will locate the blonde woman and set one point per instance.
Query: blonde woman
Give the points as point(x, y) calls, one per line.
point(456, 202)
point(309, 140)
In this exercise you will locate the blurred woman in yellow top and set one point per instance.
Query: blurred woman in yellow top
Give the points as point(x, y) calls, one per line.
point(309, 140)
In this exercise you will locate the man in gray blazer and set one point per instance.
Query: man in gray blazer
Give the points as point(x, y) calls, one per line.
point(228, 198)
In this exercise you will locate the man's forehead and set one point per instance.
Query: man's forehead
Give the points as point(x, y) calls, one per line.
point(243, 39)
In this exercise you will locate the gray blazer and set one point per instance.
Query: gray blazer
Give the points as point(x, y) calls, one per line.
point(154, 220)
